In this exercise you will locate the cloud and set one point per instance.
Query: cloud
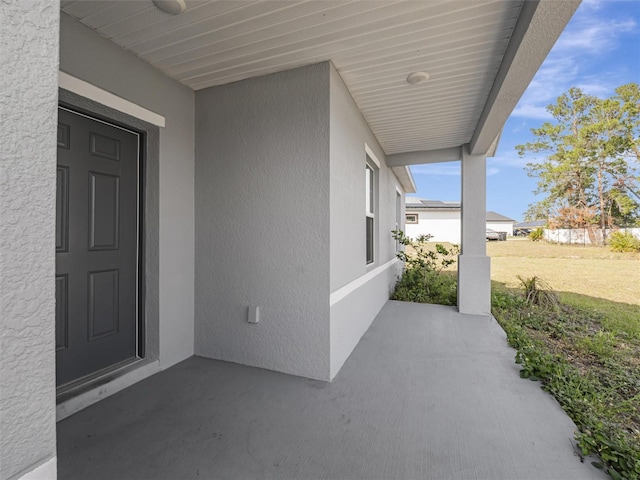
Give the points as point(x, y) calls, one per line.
point(593, 35)
point(590, 35)
point(509, 160)
point(445, 169)
point(527, 110)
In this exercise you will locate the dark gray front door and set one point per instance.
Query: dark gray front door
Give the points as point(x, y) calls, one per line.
point(96, 246)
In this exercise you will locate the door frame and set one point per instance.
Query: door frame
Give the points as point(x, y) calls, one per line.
point(147, 323)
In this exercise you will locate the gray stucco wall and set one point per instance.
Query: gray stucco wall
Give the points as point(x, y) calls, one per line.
point(262, 221)
point(349, 134)
point(352, 315)
point(28, 106)
point(87, 56)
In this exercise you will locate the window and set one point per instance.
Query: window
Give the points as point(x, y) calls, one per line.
point(411, 218)
point(398, 217)
point(370, 176)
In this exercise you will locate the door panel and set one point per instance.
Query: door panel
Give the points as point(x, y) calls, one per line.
point(96, 246)
point(104, 209)
point(62, 317)
point(62, 210)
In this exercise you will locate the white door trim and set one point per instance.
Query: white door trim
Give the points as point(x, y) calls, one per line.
point(97, 94)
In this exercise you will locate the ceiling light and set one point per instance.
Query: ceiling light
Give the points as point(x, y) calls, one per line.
point(418, 77)
point(174, 7)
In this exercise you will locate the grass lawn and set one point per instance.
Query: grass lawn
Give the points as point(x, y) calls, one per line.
point(592, 271)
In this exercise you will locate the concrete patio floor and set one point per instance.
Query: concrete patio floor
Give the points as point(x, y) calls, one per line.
point(428, 393)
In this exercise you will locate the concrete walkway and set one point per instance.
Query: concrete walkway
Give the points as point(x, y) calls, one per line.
point(427, 394)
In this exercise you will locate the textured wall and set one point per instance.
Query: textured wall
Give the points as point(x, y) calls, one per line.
point(87, 56)
point(443, 226)
point(28, 101)
point(349, 133)
point(352, 315)
point(262, 221)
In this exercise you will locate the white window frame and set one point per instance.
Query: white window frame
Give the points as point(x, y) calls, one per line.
point(399, 223)
point(370, 212)
point(412, 222)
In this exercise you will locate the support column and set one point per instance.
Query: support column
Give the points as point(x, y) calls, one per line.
point(474, 267)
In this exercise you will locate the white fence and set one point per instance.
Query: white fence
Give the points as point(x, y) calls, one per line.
point(580, 236)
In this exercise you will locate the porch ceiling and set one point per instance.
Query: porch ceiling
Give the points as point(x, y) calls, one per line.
point(466, 47)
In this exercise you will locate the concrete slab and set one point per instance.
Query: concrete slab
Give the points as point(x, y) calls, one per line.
point(428, 393)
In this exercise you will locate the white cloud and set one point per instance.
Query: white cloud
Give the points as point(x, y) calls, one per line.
point(527, 110)
point(592, 35)
point(508, 160)
point(589, 35)
point(445, 169)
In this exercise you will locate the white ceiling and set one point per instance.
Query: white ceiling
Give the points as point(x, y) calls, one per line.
point(374, 45)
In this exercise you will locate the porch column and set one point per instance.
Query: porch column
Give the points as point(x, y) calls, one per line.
point(474, 269)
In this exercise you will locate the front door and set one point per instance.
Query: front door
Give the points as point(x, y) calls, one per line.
point(97, 208)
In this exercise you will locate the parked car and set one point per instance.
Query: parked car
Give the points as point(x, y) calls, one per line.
point(492, 235)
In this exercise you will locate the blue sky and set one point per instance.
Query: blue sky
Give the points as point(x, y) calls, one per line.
point(598, 51)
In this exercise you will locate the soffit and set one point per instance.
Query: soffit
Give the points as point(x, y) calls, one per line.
point(373, 44)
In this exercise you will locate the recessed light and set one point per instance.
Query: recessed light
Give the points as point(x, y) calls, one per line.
point(418, 77)
point(173, 7)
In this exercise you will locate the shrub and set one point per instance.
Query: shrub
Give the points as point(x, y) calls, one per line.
point(423, 280)
point(422, 286)
point(624, 242)
point(537, 234)
point(538, 292)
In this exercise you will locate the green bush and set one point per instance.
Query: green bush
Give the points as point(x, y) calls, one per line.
point(624, 242)
point(423, 280)
point(538, 292)
point(422, 286)
point(537, 234)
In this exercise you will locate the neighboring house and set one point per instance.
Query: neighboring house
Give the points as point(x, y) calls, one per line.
point(442, 220)
point(226, 181)
point(500, 223)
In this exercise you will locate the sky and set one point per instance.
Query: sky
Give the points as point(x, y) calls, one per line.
point(598, 51)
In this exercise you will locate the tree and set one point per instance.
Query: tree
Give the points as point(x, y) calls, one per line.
point(590, 175)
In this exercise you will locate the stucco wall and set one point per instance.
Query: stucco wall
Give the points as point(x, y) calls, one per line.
point(358, 290)
point(28, 102)
point(262, 221)
point(349, 134)
point(87, 56)
point(501, 227)
point(444, 226)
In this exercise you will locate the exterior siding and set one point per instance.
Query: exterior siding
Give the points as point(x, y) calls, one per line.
point(368, 286)
point(444, 226)
point(262, 221)
point(28, 101)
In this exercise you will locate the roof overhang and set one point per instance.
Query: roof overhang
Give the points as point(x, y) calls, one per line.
point(480, 55)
